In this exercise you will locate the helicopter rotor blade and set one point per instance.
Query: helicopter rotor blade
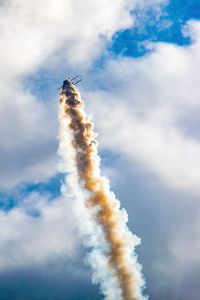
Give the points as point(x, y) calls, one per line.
point(77, 81)
point(74, 78)
point(79, 78)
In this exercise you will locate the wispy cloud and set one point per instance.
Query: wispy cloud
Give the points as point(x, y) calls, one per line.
point(157, 94)
point(36, 232)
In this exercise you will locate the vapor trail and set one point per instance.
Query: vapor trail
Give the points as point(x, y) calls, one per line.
point(101, 221)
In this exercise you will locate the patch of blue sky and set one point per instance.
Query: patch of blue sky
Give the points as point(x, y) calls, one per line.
point(52, 187)
point(42, 84)
point(168, 27)
point(7, 201)
point(108, 157)
point(11, 199)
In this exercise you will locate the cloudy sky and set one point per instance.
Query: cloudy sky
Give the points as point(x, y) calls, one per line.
point(140, 62)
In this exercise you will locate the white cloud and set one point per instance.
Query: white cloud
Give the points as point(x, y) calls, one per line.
point(185, 245)
point(26, 240)
point(178, 268)
point(28, 138)
point(151, 104)
point(77, 31)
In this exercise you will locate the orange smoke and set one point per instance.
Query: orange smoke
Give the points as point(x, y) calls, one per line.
point(119, 252)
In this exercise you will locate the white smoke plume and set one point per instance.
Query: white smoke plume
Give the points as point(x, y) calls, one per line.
point(101, 222)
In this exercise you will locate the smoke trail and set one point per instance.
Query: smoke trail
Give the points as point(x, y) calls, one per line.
point(101, 222)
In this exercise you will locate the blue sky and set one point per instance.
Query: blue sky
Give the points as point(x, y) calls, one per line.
point(167, 29)
point(140, 63)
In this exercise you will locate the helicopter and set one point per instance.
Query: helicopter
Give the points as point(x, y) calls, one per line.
point(69, 81)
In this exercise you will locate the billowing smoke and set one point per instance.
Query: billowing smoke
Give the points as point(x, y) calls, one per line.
point(101, 221)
